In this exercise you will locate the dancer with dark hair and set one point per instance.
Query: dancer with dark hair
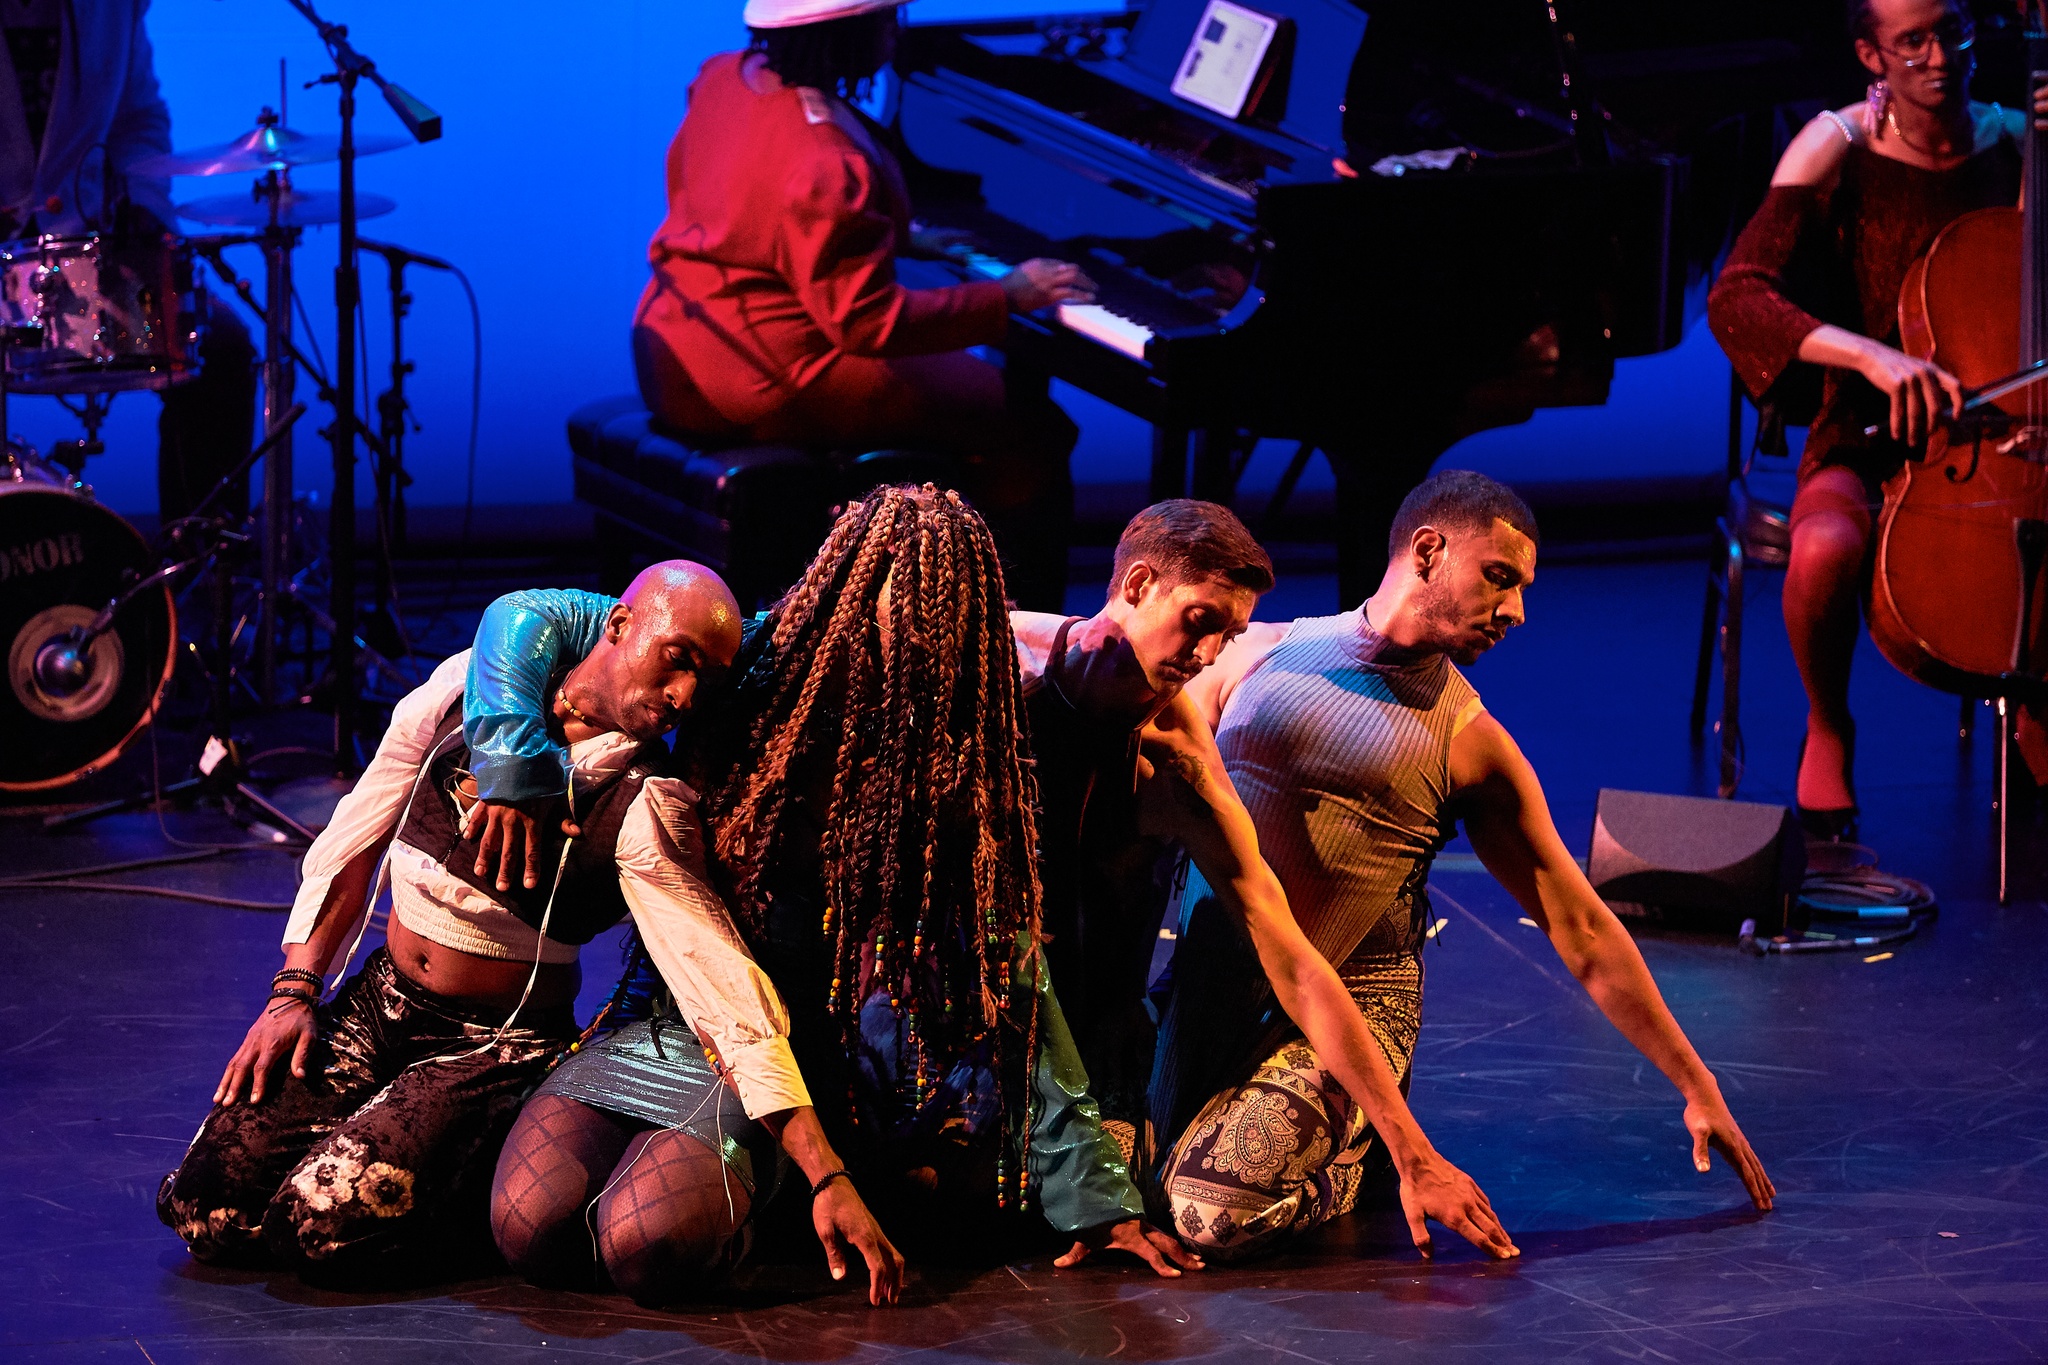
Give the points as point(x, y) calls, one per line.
point(1130, 771)
point(1357, 744)
point(371, 1123)
point(1807, 307)
point(870, 811)
point(775, 314)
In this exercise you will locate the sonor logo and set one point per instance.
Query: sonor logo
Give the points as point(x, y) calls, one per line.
point(41, 556)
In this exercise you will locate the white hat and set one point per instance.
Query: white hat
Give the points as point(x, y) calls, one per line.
point(791, 13)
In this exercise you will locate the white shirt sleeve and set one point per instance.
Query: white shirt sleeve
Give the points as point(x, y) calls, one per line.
point(370, 813)
point(721, 990)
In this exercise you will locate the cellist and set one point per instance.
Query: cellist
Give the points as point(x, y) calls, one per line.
point(1859, 194)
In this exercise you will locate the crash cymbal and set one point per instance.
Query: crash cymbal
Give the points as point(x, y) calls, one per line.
point(268, 146)
point(296, 208)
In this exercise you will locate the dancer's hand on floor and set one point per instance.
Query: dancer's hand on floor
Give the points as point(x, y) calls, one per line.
point(283, 1030)
point(1434, 1188)
point(512, 830)
point(1713, 1127)
point(841, 1219)
point(1160, 1250)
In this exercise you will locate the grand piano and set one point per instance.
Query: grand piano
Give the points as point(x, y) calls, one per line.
point(1427, 219)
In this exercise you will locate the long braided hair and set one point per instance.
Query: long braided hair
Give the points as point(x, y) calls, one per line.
point(893, 660)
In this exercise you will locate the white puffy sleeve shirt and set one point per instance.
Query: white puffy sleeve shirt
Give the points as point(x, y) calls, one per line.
point(720, 989)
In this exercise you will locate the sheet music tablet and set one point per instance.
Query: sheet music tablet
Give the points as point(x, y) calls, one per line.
point(1222, 61)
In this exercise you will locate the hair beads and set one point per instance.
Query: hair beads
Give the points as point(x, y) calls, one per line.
point(895, 650)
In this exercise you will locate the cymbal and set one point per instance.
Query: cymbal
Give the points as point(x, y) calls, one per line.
point(268, 146)
point(296, 208)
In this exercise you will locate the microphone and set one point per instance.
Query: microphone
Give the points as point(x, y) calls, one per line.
point(398, 255)
point(64, 664)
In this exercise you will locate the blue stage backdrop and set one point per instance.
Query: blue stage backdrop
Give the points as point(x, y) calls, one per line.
point(545, 188)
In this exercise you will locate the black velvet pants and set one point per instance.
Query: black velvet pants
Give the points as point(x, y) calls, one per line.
point(377, 1167)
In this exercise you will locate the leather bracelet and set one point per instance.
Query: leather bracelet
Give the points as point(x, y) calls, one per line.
point(308, 1000)
point(827, 1179)
point(311, 978)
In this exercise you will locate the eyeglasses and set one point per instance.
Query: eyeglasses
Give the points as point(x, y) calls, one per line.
point(1956, 35)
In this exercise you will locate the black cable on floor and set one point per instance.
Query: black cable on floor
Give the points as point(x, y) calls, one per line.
point(69, 879)
point(1850, 890)
point(126, 888)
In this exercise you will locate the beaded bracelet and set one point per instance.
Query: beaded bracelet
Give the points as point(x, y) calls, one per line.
point(311, 978)
point(827, 1179)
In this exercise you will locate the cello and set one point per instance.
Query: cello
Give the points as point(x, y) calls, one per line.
point(1957, 597)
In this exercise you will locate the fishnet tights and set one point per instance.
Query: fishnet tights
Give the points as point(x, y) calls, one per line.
point(666, 1210)
point(670, 1218)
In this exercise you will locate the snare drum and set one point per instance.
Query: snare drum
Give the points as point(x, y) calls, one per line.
point(62, 558)
point(96, 314)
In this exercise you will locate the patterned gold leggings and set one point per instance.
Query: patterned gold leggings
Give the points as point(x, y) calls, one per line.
point(1285, 1151)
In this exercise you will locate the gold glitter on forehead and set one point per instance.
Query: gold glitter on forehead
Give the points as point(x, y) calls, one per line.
point(719, 615)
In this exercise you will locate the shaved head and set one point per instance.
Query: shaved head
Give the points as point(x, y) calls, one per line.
point(678, 589)
point(676, 629)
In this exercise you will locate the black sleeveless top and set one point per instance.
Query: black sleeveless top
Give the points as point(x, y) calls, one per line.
point(1106, 885)
point(588, 901)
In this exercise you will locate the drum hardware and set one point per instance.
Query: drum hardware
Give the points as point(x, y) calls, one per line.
point(65, 663)
point(269, 146)
point(72, 662)
point(292, 208)
point(91, 413)
point(394, 412)
point(277, 484)
point(350, 67)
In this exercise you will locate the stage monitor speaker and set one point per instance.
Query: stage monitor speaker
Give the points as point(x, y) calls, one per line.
point(1695, 860)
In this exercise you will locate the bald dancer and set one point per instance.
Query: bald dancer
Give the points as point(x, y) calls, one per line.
point(1356, 745)
point(357, 1137)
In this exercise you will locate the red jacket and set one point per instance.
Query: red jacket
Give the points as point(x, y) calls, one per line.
point(777, 256)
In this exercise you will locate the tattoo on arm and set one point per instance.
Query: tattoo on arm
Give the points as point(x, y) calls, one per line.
point(1193, 787)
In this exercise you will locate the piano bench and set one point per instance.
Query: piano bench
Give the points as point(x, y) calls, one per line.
point(754, 513)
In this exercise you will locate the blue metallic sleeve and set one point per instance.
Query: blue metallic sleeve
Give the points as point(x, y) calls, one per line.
point(524, 639)
point(1083, 1180)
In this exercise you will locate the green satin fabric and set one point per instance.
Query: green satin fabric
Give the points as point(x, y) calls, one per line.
point(1081, 1175)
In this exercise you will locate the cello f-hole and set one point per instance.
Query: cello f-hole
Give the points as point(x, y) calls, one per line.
point(1976, 453)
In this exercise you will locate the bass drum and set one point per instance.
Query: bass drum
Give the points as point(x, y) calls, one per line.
point(62, 558)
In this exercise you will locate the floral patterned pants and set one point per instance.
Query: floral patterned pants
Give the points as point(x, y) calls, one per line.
point(377, 1165)
point(1285, 1151)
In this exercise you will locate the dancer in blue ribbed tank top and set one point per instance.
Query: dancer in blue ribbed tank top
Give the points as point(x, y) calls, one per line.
point(1355, 744)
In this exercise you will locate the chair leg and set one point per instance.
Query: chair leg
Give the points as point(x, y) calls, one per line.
point(1710, 621)
point(1731, 670)
point(2005, 729)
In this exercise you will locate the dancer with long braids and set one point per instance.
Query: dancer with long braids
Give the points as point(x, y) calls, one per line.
point(871, 816)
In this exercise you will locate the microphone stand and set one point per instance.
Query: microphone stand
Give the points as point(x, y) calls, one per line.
point(350, 66)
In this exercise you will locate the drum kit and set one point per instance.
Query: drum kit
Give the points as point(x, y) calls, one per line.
point(88, 616)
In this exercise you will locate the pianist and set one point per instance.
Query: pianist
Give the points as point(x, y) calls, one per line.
point(774, 313)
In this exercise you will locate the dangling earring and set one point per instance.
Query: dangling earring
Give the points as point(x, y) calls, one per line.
point(1877, 108)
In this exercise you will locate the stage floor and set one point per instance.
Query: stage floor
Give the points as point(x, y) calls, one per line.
point(1901, 1105)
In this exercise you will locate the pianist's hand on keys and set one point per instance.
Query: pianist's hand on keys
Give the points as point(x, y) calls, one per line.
point(1040, 283)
